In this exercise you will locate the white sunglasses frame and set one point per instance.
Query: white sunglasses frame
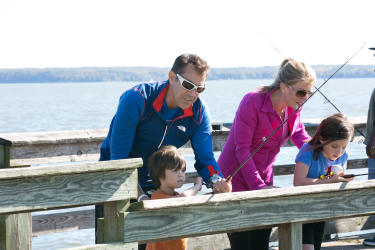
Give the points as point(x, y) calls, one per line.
point(195, 87)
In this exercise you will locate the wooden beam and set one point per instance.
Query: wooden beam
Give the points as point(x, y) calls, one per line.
point(290, 236)
point(15, 229)
point(109, 246)
point(67, 186)
point(61, 222)
point(210, 214)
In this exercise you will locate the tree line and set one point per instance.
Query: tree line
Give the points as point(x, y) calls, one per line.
point(101, 74)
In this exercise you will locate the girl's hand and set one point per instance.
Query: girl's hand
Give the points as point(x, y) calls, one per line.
point(339, 178)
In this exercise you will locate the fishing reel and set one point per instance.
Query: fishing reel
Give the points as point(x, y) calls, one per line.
point(334, 169)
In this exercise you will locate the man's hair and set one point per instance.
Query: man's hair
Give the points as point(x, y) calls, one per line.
point(333, 128)
point(200, 65)
point(167, 157)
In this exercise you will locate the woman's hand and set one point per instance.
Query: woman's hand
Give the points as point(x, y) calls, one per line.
point(222, 186)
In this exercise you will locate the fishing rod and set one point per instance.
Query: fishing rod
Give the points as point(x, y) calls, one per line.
point(354, 175)
point(281, 125)
point(320, 92)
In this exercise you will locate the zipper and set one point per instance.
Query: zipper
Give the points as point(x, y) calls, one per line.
point(162, 139)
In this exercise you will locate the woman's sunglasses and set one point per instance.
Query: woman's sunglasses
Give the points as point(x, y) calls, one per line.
point(301, 92)
point(188, 85)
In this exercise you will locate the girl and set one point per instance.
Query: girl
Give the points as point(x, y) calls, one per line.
point(325, 149)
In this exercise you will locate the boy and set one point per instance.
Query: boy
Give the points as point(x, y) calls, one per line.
point(167, 170)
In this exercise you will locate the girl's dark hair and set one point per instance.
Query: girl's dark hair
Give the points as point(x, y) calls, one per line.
point(332, 128)
point(167, 157)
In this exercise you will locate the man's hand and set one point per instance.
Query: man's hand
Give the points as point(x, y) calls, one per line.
point(370, 151)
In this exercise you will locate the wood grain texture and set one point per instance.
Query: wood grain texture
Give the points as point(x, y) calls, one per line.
point(192, 216)
point(44, 171)
point(290, 236)
point(68, 190)
point(64, 221)
point(109, 246)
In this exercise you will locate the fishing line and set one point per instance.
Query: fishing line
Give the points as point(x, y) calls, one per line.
point(269, 137)
point(354, 175)
point(325, 97)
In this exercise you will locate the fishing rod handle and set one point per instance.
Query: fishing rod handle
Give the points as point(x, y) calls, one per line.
point(348, 176)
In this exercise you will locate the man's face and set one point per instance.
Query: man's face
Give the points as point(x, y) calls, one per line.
point(180, 96)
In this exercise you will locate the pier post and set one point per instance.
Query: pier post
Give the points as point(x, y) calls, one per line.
point(15, 229)
point(290, 236)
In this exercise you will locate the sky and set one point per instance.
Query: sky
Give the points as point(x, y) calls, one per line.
point(235, 33)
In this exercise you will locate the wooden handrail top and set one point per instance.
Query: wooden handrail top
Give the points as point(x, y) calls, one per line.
point(210, 214)
point(98, 135)
point(55, 137)
point(101, 166)
point(250, 195)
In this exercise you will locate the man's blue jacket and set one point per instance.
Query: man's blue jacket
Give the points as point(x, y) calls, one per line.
point(138, 129)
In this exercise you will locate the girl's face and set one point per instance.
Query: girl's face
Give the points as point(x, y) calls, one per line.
point(333, 150)
point(174, 178)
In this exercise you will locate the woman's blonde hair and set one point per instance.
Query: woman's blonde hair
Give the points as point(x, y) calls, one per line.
point(291, 72)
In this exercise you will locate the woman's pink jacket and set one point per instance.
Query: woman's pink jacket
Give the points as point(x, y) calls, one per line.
point(255, 120)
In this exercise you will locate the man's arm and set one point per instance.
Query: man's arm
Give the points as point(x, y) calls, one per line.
point(125, 123)
point(370, 147)
point(205, 162)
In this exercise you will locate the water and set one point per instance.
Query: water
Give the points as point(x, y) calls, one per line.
point(70, 106)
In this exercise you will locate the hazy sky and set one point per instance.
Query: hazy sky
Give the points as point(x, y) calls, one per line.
point(231, 33)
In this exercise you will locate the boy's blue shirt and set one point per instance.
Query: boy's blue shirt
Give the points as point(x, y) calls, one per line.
point(319, 166)
point(139, 125)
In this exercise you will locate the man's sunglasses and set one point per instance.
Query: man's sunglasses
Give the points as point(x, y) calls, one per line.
point(301, 92)
point(186, 84)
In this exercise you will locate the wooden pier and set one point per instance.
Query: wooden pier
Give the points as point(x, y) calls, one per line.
point(58, 185)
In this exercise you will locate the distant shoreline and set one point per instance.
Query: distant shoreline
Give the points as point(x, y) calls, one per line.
point(105, 74)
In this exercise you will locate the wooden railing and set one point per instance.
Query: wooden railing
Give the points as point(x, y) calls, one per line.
point(24, 190)
point(25, 149)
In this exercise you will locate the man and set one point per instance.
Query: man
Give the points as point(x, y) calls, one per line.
point(151, 115)
point(370, 147)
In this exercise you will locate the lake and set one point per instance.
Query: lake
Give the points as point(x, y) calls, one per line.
point(69, 106)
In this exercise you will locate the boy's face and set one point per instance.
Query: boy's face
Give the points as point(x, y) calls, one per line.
point(174, 178)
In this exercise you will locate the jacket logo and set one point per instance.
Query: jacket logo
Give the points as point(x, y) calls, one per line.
point(182, 128)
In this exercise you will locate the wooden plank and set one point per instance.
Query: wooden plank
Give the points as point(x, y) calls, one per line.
point(61, 222)
point(55, 159)
point(90, 167)
point(15, 231)
point(285, 169)
point(199, 215)
point(290, 236)
point(33, 192)
point(114, 220)
point(80, 144)
point(55, 143)
point(109, 246)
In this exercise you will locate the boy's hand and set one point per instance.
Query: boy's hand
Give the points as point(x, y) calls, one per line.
point(198, 182)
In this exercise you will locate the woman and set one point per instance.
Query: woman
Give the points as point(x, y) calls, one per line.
point(258, 115)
